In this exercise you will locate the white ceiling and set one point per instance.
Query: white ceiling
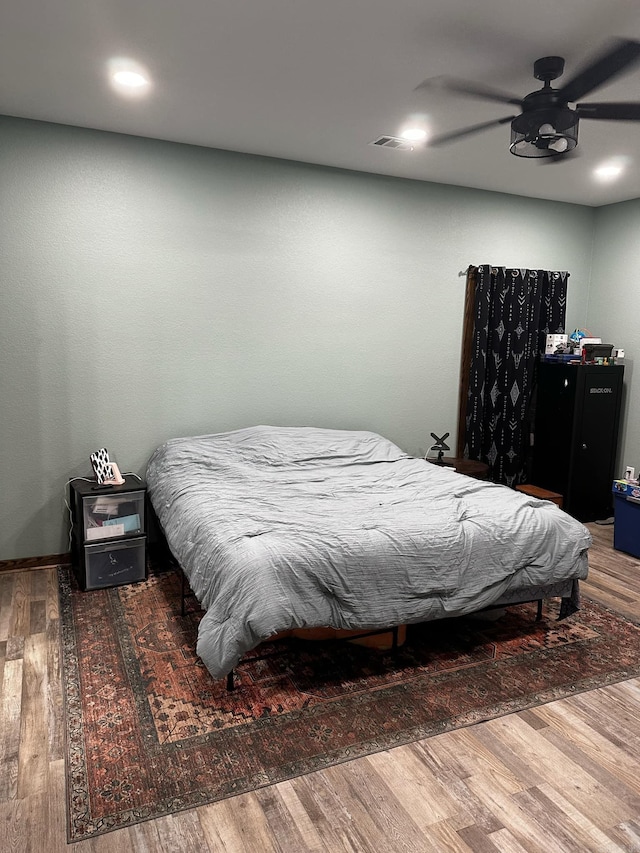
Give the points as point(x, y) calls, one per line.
point(317, 80)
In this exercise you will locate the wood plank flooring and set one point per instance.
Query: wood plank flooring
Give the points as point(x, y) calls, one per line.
point(561, 777)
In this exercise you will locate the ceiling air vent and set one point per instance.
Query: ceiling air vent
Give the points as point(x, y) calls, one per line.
point(393, 142)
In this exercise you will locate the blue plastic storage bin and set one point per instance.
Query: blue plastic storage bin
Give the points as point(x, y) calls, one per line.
point(626, 530)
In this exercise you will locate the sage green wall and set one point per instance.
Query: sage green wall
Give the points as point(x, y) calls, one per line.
point(614, 309)
point(152, 290)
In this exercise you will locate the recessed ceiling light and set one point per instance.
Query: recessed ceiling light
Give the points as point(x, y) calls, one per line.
point(415, 128)
point(128, 77)
point(415, 134)
point(610, 170)
point(606, 173)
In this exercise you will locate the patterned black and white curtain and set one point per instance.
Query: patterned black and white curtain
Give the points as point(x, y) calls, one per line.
point(514, 310)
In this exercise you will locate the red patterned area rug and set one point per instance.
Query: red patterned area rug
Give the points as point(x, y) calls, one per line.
point(149, 732)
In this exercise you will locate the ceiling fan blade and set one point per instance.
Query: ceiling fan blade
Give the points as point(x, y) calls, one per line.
point(464, 87)
point(611, 112)
point(466, 131)
point(618, 58)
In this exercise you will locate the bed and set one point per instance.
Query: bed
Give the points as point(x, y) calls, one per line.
point(283, 528)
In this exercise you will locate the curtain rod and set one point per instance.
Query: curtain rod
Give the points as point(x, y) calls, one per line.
point(466, 272)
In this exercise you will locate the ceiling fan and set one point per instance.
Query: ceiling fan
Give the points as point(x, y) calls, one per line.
point(547, 126)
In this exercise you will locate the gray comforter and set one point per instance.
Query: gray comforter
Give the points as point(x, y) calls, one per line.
point(281, 527)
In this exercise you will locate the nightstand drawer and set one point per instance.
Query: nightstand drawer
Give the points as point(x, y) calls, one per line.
point(111, 516)
point(115, 563)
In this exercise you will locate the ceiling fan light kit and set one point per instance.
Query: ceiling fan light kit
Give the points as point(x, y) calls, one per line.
point(544, 133)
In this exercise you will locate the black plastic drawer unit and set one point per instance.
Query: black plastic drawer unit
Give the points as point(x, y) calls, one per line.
point(114, 563)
